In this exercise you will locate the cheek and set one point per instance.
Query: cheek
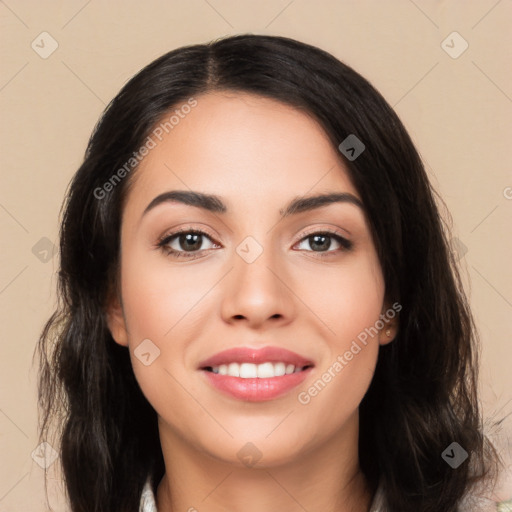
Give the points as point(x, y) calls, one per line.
point(162, 305)
point(158, 299)
point(346, 298)
point(334, 395)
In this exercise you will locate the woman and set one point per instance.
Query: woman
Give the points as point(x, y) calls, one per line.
point(259, 308)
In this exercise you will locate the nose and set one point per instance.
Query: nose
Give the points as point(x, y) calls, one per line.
point(257, 292)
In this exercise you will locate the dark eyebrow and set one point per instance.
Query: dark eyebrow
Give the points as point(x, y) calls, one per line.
point(214, 203)
point(306, 203)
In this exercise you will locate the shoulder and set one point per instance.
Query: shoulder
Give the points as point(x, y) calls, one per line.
point(471, 503)
point(148, 502)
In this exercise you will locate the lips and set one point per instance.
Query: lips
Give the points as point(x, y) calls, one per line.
point(256, 375)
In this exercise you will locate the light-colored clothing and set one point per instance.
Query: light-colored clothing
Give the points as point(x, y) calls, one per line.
point(148, 502)
point(147, 499)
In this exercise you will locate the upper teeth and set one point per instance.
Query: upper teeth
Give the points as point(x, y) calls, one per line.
point(251, 371)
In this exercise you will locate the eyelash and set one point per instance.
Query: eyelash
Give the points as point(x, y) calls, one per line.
point(346, 245)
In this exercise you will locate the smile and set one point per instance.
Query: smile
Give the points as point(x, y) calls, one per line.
point(255, 375)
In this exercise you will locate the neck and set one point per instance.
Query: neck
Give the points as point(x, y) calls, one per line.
point(326, 478)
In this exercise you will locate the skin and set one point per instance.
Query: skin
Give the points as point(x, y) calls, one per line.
point(256, 154)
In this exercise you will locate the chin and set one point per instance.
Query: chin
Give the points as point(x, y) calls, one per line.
point(257, 451)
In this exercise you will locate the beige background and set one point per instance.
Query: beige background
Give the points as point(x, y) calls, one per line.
point(456, 109)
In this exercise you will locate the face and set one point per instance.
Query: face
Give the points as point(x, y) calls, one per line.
point(249, 273)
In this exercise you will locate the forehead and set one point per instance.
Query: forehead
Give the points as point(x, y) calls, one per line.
point(241, 145)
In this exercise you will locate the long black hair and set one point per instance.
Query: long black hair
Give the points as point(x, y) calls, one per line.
point(423, 394)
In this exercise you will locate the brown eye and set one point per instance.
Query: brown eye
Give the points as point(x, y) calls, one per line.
point(322, 241)
point(183, 242)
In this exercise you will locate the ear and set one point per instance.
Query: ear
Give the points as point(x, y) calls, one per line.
point(389, 317)
point(116, 321)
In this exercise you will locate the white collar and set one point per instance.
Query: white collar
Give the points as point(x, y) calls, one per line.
point(147, 499)
point(148, 502)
